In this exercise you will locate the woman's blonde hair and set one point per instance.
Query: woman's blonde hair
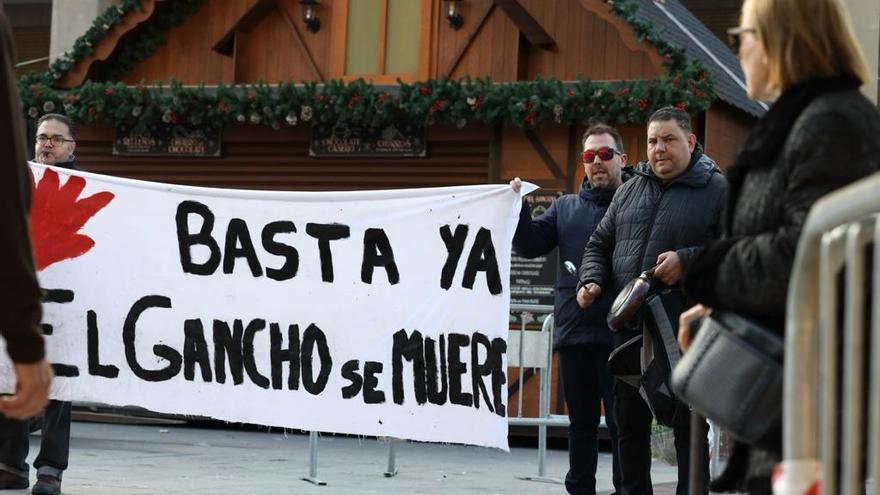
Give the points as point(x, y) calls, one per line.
point(804, 39)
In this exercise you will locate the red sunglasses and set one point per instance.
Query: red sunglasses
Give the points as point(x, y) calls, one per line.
point(605, 154)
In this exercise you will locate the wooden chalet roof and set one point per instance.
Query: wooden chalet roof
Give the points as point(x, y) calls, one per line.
point(679, 26)
point(675, 23)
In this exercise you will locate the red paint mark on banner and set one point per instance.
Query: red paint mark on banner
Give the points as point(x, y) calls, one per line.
point(57, 215)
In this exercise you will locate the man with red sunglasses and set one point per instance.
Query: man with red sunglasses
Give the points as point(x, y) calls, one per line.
point(582, 338)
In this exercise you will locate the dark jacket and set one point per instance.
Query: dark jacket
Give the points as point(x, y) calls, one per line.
point(818, 136)
point(567, 224)
point(70, 164)
point(648, 217)
point(19, 292)
point(832, 143)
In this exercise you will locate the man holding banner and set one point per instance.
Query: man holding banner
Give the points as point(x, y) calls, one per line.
point(19, 292)
point(54, 146)
point(581, 337)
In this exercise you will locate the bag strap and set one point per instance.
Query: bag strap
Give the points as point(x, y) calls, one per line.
point(646, 355)
point(667, 333)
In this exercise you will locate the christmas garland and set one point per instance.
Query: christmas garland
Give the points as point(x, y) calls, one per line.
point(526, 104)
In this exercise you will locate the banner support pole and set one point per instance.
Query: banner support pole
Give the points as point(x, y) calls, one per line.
point(313, 461)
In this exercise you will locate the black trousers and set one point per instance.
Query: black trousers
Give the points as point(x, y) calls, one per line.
point(634, 421)
point(586, 381)
point(54, 442)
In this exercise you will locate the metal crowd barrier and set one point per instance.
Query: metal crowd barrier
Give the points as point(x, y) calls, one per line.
point(525, 349)
point(838, 231)
point(531, 349)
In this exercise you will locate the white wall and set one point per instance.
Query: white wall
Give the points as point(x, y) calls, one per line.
point(866, 20)
point(70, 20)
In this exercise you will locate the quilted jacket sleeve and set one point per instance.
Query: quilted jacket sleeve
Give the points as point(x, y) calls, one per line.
point(686, 254)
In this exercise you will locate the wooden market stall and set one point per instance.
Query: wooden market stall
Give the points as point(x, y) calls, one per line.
point(546, 69)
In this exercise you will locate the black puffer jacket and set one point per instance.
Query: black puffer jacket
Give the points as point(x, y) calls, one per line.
point(648, 217)
point(568, 224)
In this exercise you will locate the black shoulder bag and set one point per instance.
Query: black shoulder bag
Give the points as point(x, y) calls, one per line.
point(732, 374)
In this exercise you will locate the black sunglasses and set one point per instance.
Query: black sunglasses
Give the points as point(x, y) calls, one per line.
point(604, 154)
point(734, 37)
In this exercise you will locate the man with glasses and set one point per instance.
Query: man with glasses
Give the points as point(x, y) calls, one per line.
point(581, 338)
point(55, 142)
point(659, 219)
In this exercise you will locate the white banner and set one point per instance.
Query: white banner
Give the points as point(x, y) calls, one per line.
point(375, 313)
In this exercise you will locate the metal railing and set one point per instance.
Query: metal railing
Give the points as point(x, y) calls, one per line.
point(531, 349)
point(838, 231)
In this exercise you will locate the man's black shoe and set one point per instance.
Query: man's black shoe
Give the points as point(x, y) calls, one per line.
point(47, 485)
point(10, 481)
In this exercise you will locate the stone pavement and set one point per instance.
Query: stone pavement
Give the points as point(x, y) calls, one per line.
point(169, 459)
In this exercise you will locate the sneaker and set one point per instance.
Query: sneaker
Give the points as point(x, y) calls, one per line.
point(10, 481)
point(47, 485)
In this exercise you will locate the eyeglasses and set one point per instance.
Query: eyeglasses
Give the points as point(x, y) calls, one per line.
point(57, 140)
point(734, 37)
point(604, 154)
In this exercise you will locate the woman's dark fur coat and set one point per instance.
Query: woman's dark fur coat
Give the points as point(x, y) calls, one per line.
point(819, 136)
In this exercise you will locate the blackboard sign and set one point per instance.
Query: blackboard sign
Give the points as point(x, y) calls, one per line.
point(161, 139)
point(532, 281)
point(346, 139)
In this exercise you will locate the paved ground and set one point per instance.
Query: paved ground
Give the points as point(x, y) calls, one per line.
point(153, 459)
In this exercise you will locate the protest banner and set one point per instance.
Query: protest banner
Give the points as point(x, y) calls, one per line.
point(375, 312)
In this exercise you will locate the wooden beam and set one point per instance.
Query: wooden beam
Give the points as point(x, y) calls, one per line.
point(470, 38)
point(545, 155)
point(237, 66)
point(526, 24)
point(245, 23)
point(495, 155)
point(297, 36)
point(428, 40)
point(572, 158)
point(338, 38)
point(383, 35)
point(522, 58)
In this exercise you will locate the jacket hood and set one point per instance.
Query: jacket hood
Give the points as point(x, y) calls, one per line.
point(599, 195)
point(697, 174)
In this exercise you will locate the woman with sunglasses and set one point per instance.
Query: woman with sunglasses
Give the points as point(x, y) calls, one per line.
point(820, 134)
